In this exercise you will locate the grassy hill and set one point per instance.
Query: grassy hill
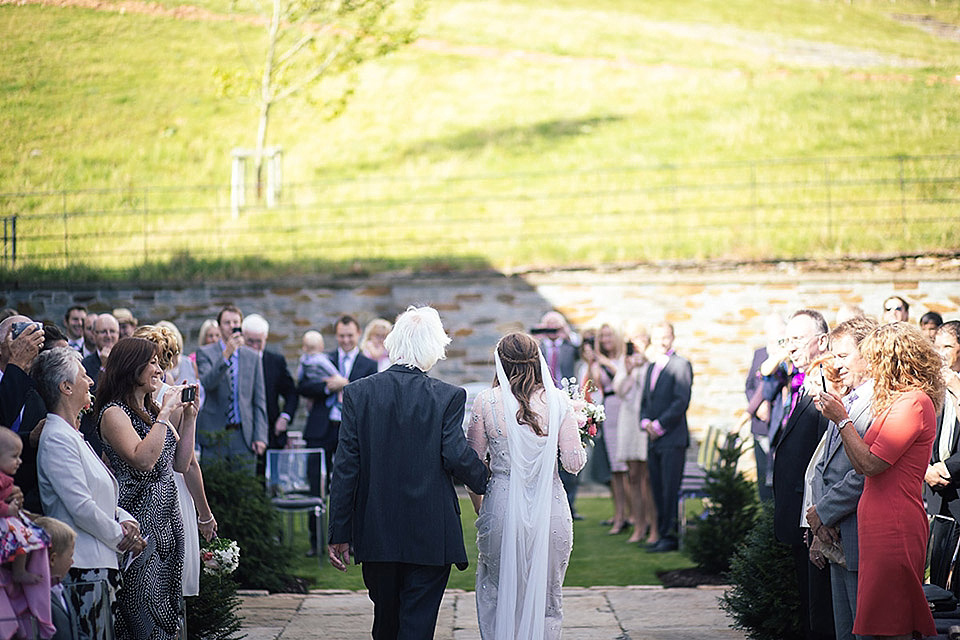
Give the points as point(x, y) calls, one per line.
point(125, 97)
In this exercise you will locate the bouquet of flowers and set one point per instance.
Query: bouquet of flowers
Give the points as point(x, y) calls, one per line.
point(220, 557)
point(589, 415)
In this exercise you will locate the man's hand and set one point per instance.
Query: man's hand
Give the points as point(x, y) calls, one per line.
point(336, 383)
point(23, 351)
point(258, 447)
point(813, 519)
point(816, 555)
point(280, 426)
point(339, 555)
point(231, 345)
point(937, 475)
point(763, 411)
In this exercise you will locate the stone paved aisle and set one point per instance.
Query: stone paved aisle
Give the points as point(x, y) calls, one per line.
point(596, 613)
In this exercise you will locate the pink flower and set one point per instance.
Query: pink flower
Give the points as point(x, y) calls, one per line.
point(592, 430)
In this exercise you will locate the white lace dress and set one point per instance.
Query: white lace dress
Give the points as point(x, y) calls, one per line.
point(487, 434)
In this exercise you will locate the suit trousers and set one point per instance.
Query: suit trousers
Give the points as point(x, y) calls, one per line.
point(666, 473)
point(816, 603)
point(406, 598)
point(843, 585)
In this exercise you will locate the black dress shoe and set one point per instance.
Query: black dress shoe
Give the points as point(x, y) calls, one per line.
point(663, 546)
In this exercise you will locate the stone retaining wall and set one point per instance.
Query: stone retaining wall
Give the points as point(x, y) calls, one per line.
point(718, 316)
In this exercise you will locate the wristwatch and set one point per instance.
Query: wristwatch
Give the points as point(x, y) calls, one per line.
point(843, 423)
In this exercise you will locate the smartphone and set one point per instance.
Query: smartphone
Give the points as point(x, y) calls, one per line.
point(542, 330)
point(189, 394)
point(20, 327)
point(237, 329)
point(823, 380)
point(631, 349)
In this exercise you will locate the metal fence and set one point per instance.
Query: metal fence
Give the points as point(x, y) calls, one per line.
point(779, 208)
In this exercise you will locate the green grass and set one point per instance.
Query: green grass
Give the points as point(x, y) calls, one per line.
point(551, 95)
point(597, 559)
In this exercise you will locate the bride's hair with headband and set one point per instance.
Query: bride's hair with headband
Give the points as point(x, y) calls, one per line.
point(520, 356)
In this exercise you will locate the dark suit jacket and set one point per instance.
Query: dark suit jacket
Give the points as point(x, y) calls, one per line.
point(66, 624)
point(566, 358)
point(948, 494)
point(91, 364)
point(667, 402)
point(278, 383)
point(793, 446)
point(17, 392)
point(318, 432)
point(401, 445)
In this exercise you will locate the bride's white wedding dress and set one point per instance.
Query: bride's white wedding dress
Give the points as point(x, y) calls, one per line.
point(520, 575)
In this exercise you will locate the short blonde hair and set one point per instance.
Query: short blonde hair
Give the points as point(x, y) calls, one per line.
point(417, 339)
point(61, 534)
point(374, 326)
point(168, 347)
point(902, 358)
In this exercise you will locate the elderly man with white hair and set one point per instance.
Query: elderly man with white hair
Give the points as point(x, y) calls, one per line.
point(393, 499)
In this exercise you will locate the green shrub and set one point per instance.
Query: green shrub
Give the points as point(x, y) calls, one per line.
point(730, 513)
point(244, 513)
point(213, 614)
point(763, 599)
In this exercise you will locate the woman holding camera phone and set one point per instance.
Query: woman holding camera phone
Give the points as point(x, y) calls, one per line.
point(144, 448)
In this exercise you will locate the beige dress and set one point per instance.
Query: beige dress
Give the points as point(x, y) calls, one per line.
point(632, 440)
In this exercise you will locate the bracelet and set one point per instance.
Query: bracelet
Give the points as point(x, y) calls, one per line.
point(165, 423)
point(199, 521)
point(844, 423)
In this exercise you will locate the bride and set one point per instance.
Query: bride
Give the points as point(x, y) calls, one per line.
point(524, 528)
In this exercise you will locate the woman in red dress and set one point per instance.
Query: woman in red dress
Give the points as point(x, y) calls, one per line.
point(893, 455)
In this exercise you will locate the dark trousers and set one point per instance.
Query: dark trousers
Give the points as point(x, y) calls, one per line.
point(313, 476)
point(816, 601)
point(666, 472)
point(406, 598)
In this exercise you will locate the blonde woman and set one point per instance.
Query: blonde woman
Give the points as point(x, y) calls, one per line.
point(371, 344)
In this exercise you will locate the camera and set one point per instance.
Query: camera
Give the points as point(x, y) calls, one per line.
point(631, 349)
point(20, 327)
point(237, 329)
point(189, 394)
point(542, 330)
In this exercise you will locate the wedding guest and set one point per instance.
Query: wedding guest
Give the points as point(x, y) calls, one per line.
point(519, 426)
point(313, 367)
point(278, 384)
point(943, 474)
point(632, 440)
point(663, 414)
point(759, 407)
point(89, 335)
point(371, 344)
point(191, 493)
point(892, 522)
point(108, 332)
point(145, 443)
point(557, 345)
point(233, 419)
point(598, 464)
point(63, 540)
point(208, 334)
point(77, 488)
point(73, 324)
point(848, 312)
point(127, 321)
point(182, 370)
point(793, 445)
point(836, 486)
point(895, 309)
point(929, 323)
point(401, 445)
point(17, 354)
point(323, 421)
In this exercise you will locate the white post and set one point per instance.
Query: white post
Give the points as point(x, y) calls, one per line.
point(238, 175)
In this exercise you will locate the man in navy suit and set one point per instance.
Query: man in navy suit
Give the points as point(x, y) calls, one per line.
point(393, 498)
point(323, 422)
point(663, 414)
point(793, 446)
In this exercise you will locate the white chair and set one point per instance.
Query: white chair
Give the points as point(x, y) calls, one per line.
point(295, 482)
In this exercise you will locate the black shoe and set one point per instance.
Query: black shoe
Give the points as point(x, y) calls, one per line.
point(663, 546)
point(607, 523)
point(312, 553)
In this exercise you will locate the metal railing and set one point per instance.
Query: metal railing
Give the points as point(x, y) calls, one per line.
point(778, 208)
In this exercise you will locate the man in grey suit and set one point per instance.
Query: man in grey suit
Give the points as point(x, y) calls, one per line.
point(233, 421)
point(836, 487)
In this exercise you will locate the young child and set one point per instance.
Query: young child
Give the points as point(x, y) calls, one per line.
point(62, 541)
point(23, 554)
point(314, 365)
